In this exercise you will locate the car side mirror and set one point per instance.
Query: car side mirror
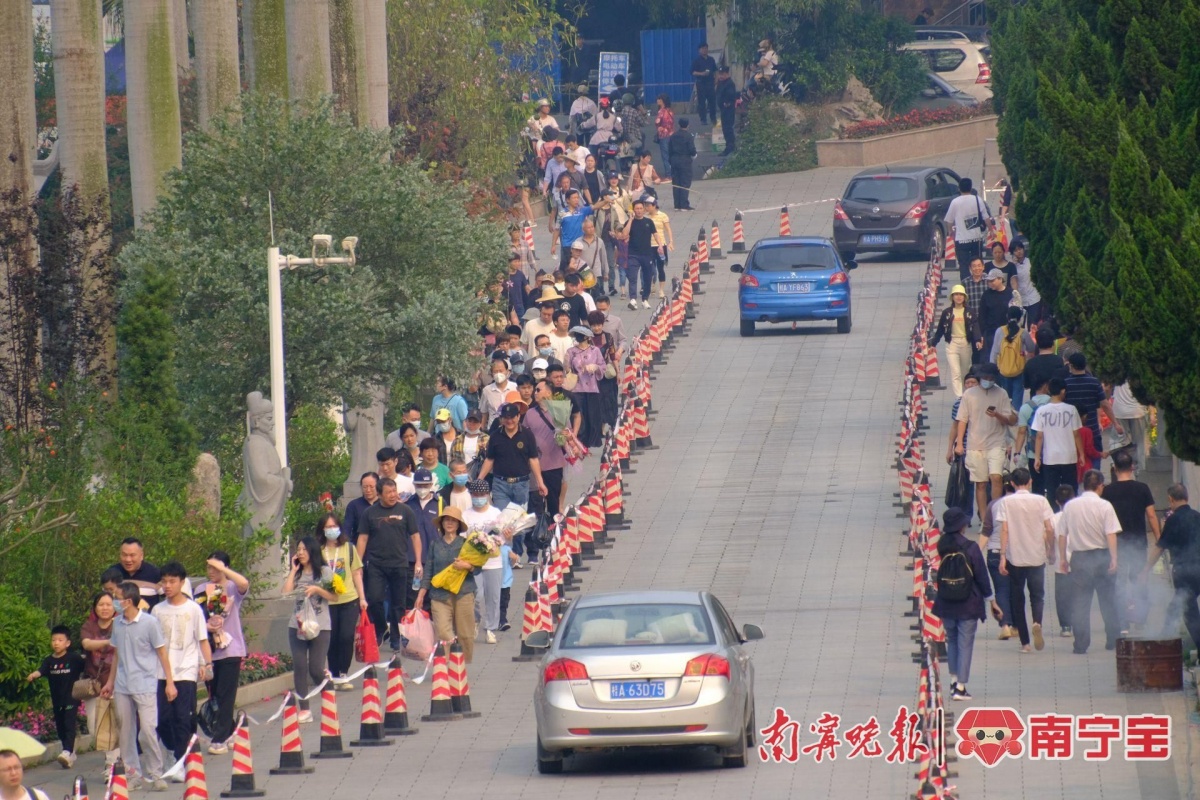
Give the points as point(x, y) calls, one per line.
point(735, 267)
point(849, 265)
point(929, 93)
point(750, 633)
point(540, 640)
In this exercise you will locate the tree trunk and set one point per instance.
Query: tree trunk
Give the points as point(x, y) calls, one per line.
point(348, 58)
point(264, 40)
point(215, 31)
point(309, 75)
point(155, 146)
point(179, 30)
point(78, 47)
point(377, 66)
point(18, 122)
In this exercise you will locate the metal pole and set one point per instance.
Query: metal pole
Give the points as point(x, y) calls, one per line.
point(275, 307)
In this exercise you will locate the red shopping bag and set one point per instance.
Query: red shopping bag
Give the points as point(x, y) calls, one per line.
point(366, 646)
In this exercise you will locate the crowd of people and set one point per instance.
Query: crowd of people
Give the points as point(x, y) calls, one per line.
point(1029, 429)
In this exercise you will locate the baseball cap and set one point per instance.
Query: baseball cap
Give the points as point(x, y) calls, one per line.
point(422, 476)
point(478, 487)
point(442, 415)
point(475, 416)
point(541, 363)
point(995, 275)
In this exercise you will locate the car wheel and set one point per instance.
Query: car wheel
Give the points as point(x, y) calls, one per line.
point(937, 242)
point(734, 756)
point(844, 323)
point(747, 327)
point(548, 763)
point(752, 730)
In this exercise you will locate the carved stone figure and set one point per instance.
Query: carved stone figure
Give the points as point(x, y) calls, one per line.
point(364, 427)
point(268, 483)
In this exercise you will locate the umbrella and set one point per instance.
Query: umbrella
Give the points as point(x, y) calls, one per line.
point(20, 743)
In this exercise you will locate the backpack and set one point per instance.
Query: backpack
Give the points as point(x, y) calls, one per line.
point(955, 577)
point(1012, 356)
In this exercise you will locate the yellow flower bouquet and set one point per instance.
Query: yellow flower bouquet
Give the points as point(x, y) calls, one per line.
point(476, 550)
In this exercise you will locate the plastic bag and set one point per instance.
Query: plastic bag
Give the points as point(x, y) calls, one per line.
point(417, 628)
point(207, 716)
point(366, 643)
point(959, 491)
point(308, 627)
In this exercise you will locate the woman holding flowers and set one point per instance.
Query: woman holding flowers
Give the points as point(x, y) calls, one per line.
point(350, 599)
point(222, 603)
point(453, 611)
point(308, 629)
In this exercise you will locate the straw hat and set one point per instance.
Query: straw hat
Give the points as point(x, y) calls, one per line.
point(454, 513)
point(549, 294)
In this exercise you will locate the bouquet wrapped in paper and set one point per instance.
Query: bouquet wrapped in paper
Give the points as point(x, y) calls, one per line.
point(513, 521)
point(478, 547)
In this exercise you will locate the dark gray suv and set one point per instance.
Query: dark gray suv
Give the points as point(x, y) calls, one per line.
point(899, 210)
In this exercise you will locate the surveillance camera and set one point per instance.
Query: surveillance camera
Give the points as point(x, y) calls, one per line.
point(349, 243)
point(322, 240)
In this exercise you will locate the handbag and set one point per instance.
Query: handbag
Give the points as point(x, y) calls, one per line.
point(105, 725)
point(366, 645)
point(85, 689)
point(570, 381)
point(610, 370)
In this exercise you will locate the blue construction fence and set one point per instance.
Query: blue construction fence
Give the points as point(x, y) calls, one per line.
point(667, 63)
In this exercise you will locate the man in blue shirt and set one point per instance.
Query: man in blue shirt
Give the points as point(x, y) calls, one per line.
point(141, 650)
point(448, 397)
point(570, 226)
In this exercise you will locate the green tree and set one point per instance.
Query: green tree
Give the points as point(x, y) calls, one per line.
point(409, 308)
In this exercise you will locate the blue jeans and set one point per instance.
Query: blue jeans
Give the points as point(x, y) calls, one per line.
point(662, 148)
point(999, 585)
point(504, 493)
point(1015, 388)
point(960, 645)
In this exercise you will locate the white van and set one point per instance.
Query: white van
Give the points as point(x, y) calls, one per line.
point(959, 62)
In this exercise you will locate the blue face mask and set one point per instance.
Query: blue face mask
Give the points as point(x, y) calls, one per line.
point(546, 351)
point(442, 427)
point(987, 384)
point(461, 480)
point(518, 369)
point(479, 502)
point(332, 533)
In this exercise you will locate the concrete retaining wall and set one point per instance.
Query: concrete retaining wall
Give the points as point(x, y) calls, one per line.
point(906, 145)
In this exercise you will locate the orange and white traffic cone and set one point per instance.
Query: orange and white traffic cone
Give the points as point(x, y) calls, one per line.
point(291, 748)
point(933, 375)
point(714, 248)
point(528, 236)
point(395, 714)
point(241, 783)
point(460, 687)
point(118, 784)
point(195, 782)
point(785, 225)
point(739, 235)
point(370, 724)
point(702, 251)
point(529, 624)
point(641, 427)
point(79, 790)
point(441, 705)
point(614, 508)
point(331, 729)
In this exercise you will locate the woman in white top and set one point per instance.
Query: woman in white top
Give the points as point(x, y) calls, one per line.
point(643, 177)
point(1022, 282)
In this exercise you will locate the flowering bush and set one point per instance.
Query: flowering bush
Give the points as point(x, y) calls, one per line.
point(917, 118)
point(38, 724)
point(260, 666)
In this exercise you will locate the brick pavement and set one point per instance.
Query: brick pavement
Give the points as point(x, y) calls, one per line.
point(772, 487)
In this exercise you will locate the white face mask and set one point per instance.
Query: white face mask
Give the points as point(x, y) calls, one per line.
point(424, 491)
point(500, 378)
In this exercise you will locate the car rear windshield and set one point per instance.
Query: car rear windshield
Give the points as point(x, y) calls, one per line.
point(637, 626)
point(881, 190)
point(791, 257)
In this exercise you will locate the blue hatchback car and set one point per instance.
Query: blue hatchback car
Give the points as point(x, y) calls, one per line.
point(794, 278)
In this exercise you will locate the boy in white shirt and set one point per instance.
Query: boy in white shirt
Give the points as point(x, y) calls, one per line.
point(190, 656)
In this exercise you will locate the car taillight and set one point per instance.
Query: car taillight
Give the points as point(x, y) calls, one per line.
point(839, 277)
point(985, 73)
point(917, 211)
point(710, 664)
point(749, 281)
point(839, 212)
point(564, 669)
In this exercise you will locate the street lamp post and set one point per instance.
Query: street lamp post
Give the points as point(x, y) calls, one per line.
point(322, 256)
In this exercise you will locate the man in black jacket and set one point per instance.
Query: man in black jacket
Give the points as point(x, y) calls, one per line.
point(704, 69)
point(681, 149)
point(727, 96)
point(993, 310)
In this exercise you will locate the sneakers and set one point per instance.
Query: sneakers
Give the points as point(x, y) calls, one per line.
point(66, 758)
point(959, 692)
point(178, 777)
point(633, 304)
point(519, 565)
point(305, 716)
point(646, 304)
point(1025, 649)
point(1066, 633)
point(490, 638)
point(343, 687)
point(1006, 632)
point(1039, 641)
point(661, 294)
point(218, 749)
point(505, 627)
point(158, 785)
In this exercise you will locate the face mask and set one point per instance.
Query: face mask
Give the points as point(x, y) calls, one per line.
point(546, 351)
point(518, 369)
point(332, 533)
point(479, 502)
point(987, 384)
point(423, 492)
point(500, 378)
point(461, 480)
point(442, 427)
point(539, 373)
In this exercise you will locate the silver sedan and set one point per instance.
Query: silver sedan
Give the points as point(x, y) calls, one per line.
point(645, 669)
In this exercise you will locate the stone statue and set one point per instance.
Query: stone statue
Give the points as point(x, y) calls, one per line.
point(268, 483)
point(364, 427)
point(204, 490)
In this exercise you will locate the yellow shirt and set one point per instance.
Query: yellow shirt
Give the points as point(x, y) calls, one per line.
point(958, 325)
point(344, 563)
point(663, 223)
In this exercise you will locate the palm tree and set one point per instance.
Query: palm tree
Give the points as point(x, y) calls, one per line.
point(155, 145)
point(264, 37)
point(215, 30)
point(308, 48)
point(78, 48)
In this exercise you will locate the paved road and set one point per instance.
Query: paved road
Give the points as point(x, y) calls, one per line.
point(772, 487)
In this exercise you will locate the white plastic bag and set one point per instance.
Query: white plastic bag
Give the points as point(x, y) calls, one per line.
point(308, 627)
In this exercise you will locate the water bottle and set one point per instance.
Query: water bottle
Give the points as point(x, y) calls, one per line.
point(416, 583)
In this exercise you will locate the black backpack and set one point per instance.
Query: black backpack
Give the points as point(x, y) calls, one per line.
point(955, 577)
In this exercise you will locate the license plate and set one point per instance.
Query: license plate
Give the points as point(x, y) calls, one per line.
point(795, 288)
point(636, 690)
point(875, 238)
